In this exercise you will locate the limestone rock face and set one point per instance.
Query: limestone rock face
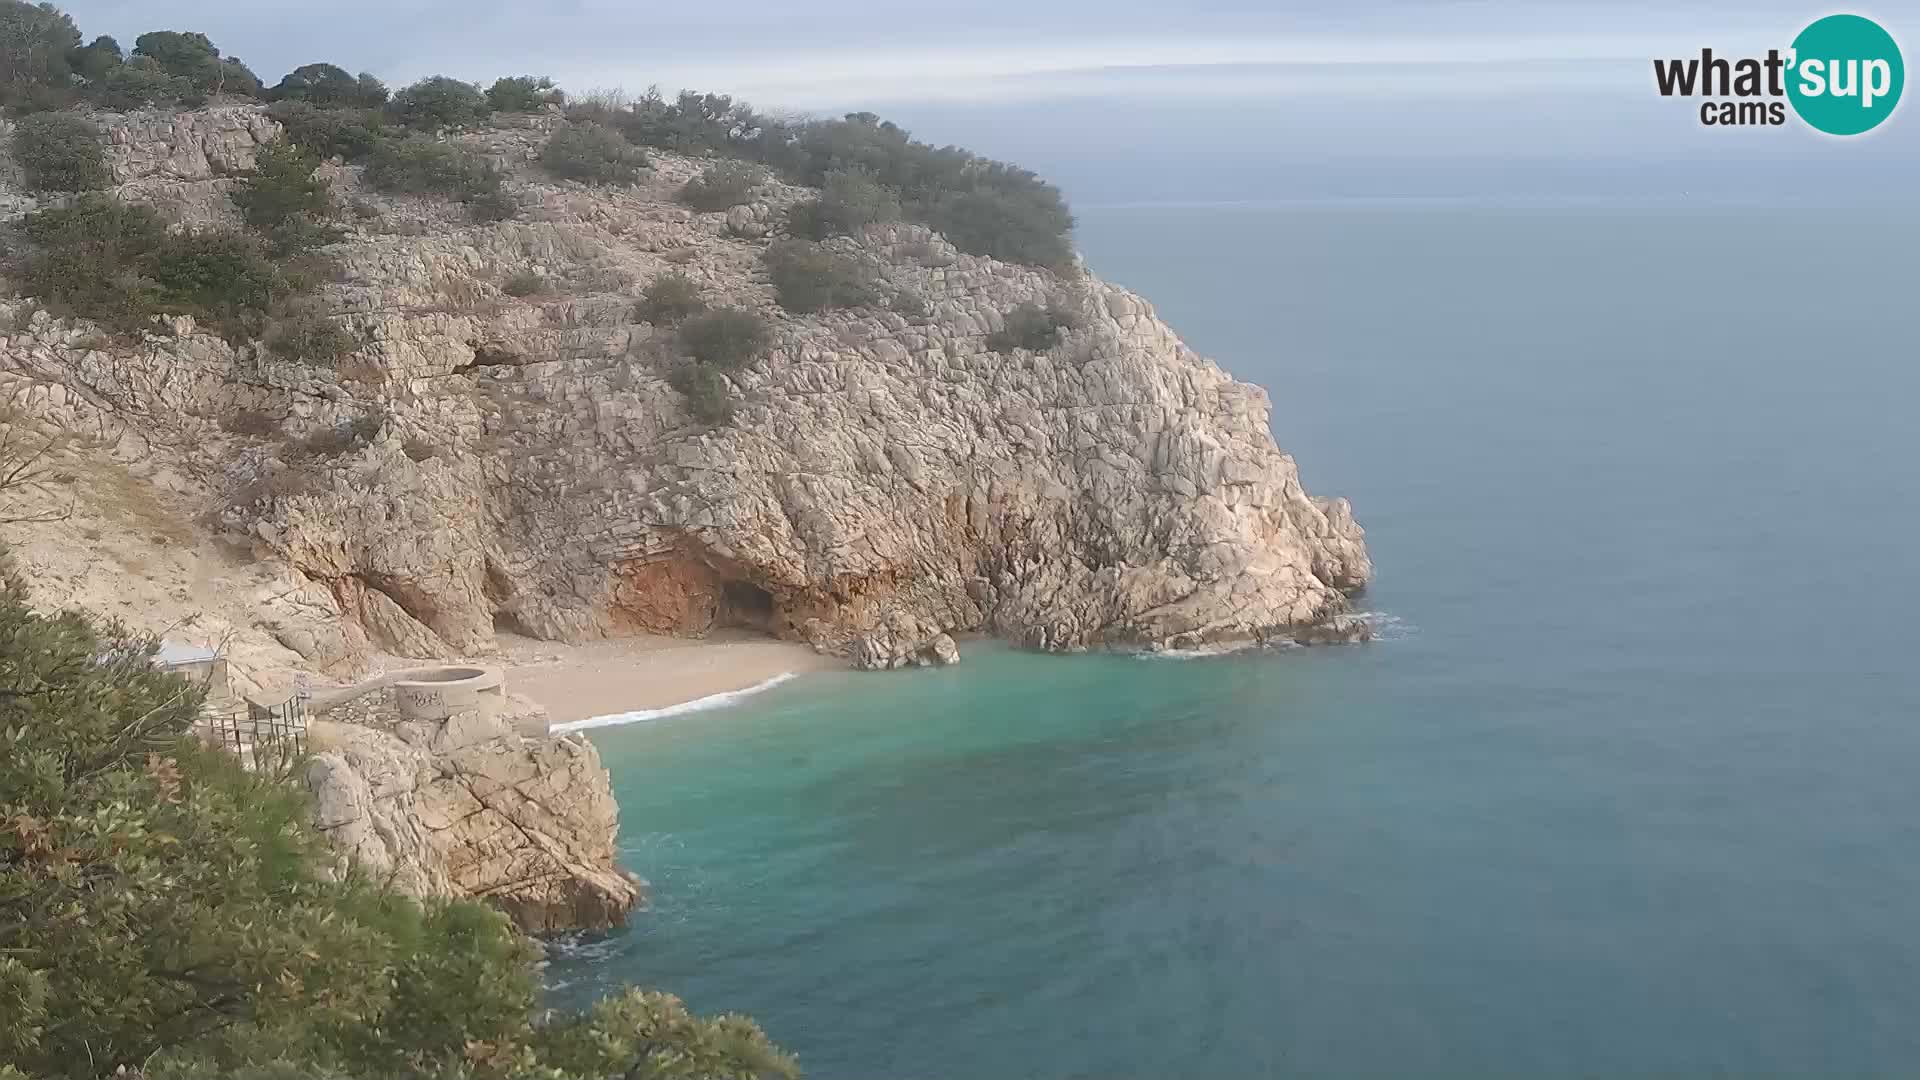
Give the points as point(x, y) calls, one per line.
point(467, 808)
point(888, 479)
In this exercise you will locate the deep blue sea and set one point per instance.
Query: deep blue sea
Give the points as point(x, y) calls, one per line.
point(1631, 788)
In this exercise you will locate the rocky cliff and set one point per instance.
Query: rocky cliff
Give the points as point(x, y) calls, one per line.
point(888, 478)
point(518, 461)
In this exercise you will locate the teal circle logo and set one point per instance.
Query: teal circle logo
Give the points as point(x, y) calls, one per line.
point(1845, 76)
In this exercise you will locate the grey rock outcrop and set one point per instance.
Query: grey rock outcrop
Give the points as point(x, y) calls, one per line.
point(465, 807)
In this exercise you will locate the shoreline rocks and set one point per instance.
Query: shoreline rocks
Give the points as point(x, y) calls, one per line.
point(466, 807)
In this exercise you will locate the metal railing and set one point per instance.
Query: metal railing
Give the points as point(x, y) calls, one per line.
point(266, 738)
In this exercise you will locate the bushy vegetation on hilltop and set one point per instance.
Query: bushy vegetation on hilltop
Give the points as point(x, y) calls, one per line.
point(523, 93)
point(164, 911)
point(807, 278)
point(984, 207)
point(870, 170)
point(850, 200)
point(592, 154)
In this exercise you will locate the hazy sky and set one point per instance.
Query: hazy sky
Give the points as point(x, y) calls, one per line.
point(1112, 96)
point(811, 53)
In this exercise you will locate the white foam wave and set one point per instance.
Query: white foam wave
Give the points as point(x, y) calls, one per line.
point(1387, 627)
point(712, 701)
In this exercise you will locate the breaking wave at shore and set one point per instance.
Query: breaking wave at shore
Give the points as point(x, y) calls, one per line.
point(712, 701)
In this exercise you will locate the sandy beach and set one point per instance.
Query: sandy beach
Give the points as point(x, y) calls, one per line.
point(576, 682)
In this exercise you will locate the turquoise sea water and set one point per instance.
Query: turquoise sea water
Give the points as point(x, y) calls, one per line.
point(1629, 790)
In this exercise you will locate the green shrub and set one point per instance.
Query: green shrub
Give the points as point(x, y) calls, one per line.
point(727, 338)
point(308, 336)
point(524, 283)
point(284, 201)
point(592, 154)
point(189, 56)
point(1028, 226)
point(39, 39)
point(668, 299)
point(348, 134)
point(722, 185)
point(440, 104)
point(27, 100)
point(90, 258)
point(97, 59)
point(222, 278)
point(659, 1029)
point(116, 264)
point(60, 152)
point(1031, 326)
point(910, 304)
point(424, 166)
point(851, 200)
point(141, 83)
point(808, 278)
point(330, 87)
point(693, 123)
point(523, 93)
point(709, 395)
point(984, 207)
point(238, 79)
point(496, 205)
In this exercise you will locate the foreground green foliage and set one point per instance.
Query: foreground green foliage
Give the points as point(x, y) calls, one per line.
point(60, 152)
point(164, 911)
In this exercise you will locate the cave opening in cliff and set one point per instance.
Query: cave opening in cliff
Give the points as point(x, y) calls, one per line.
point(504, 622)
point(746, 606)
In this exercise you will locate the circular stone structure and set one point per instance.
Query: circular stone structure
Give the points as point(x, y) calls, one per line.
point(436, 693)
